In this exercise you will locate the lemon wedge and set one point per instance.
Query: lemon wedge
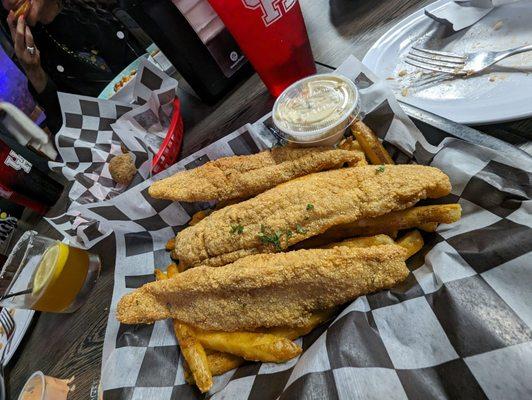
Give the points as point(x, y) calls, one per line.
point(59, 277)
point(50, 266)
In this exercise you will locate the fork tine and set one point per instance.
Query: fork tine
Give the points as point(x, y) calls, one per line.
point(430, 67)
point(442, 54)
point(435, 63)
point(426, 81)
point(436, 59)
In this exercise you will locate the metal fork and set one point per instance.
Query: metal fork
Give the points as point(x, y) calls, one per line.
point(456, 64)
point(8, 323)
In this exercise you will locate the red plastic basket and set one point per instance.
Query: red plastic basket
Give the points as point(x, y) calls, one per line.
point(169, 150)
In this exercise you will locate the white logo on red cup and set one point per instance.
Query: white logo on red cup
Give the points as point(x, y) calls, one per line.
point(17, 162)
point(272, 10)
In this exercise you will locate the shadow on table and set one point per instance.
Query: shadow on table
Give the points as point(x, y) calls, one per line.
point(342, 12)
point(354, 17)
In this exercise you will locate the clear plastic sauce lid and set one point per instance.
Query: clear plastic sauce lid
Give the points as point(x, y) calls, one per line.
point(311, 107)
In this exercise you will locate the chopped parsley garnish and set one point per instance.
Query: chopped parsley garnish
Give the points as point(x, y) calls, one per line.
point(237, 229)
point(273, 238)
point(288, 234)
point(380, 170)
point(300, 229)
point(310, 207)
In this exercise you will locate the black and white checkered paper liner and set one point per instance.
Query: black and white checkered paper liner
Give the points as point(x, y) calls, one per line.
point(94, 129)
point(459, 327)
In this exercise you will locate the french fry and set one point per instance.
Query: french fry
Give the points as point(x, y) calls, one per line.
point(172, 270)
point(219, 364)
point(412, 242)
point(363, 241)
point(195, 356)
point(22, 10)
point(429, 227)
point(251, 346)
point(197, 217)
point(315, 320)
point(352, 145)
point(193, 352)
point(370, 143)
point(188, 374)
point(411, 218)
point(170, 245)
point(159, 275)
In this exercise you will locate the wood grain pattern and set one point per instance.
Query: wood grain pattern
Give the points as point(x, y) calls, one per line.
point(71, 345)
point(339, 28)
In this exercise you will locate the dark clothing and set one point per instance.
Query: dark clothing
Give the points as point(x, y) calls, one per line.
point(82, 50)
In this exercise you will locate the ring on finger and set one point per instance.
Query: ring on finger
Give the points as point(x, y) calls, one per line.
point(31, 50)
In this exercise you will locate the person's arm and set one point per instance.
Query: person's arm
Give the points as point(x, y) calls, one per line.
point(37, 78)
point(48, 99)
point(40, 85)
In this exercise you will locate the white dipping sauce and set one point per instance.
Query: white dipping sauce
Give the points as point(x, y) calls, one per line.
point(315, 111)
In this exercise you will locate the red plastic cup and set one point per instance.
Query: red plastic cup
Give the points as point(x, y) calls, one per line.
point(273, 36)
point(24, 184)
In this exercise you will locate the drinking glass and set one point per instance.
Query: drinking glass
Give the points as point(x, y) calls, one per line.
point(273, 36)
point(47, 275)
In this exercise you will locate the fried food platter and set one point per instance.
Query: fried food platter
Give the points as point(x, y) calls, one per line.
point(295, 234)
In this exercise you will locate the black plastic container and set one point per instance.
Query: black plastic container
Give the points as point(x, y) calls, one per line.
point(203, 66)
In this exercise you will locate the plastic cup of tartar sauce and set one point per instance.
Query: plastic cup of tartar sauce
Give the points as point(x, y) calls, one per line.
point(316, 111)
point(43, 387)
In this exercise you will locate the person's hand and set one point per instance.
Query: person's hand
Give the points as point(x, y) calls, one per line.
point(26, 51)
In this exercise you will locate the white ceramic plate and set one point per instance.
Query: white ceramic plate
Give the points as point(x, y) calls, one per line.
point(502, 94)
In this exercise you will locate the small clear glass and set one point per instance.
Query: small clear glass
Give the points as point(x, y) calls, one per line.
point(47, 275)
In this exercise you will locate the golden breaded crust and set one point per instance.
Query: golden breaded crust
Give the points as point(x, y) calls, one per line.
point(245, 176)
point(305, 207)
point(266, 290)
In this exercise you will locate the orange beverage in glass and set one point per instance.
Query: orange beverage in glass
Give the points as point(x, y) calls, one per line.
point(47, 275)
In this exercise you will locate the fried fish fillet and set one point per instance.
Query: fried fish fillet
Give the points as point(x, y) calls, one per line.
point(305, 207)
point(266, 290)
point(245, 176)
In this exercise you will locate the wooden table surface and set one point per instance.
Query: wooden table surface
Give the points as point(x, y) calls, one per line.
point(71, 345)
